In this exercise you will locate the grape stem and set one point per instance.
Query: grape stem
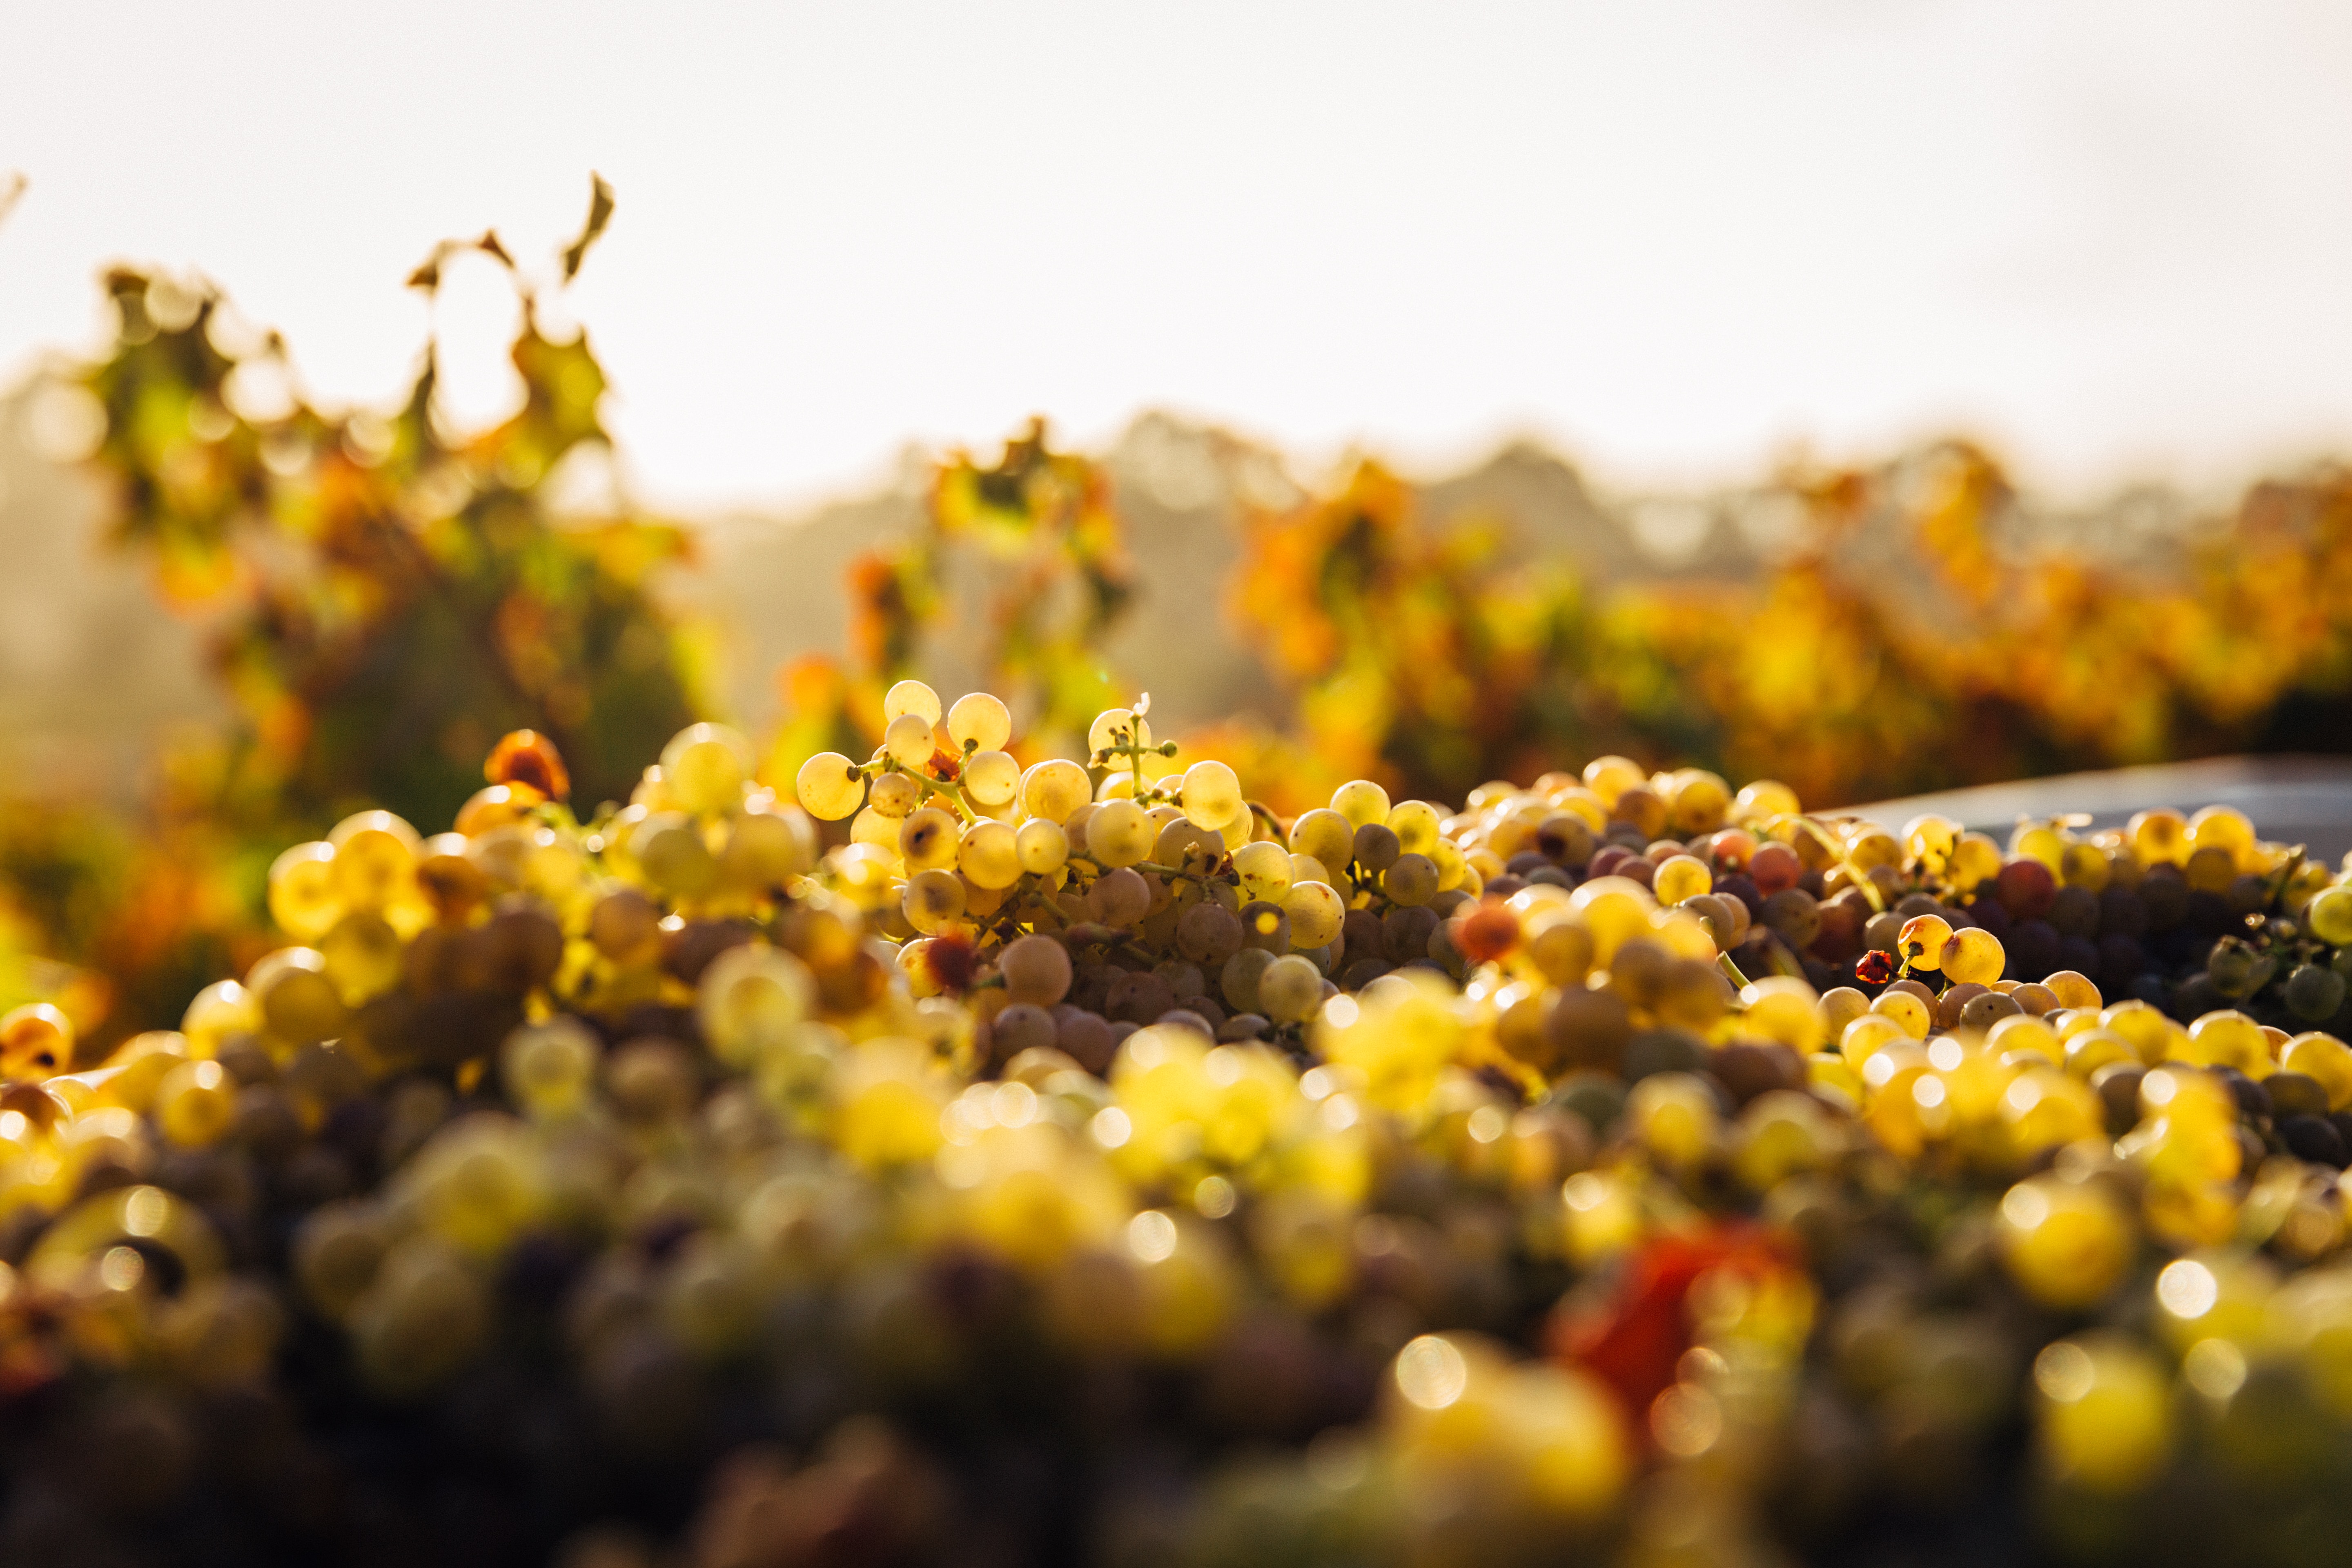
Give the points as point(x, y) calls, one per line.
point(1845, 862)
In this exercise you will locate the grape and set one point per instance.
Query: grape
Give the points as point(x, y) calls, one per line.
point(1054, 790)
point(1119, 834)
point(1265, 870)
point(1290, 990)
point(1209, 934)
point(1417, 826)
point(764, 847)
point(1043, 846)
point(912, 699)
point(549, 1069)
point(933, 902)
point(1119, 898)
point(2329, 916)
point(1238, 981)
point(989, 854)
point(303, 897)
point(991, 778)
point(978, 722)
point(1410, 880)
point(909, 741)
point(705, 767)
point(1116, 729)
point(829, 787)
point(1922, 940)
point(1361, 803)
point(2315, 992)
point(374, 859)
point(894, 796)
point(1312, 911)
point(2066, 1245)
point(1212, 793)
point(1681, 877)
point(1037, 969)
point(928, 838)
point(671, 851)
point(1185, 845)
point(37, 1040)
point(1609, 777)
point(1974, 956)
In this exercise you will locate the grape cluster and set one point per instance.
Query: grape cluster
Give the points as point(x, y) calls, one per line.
point(1076, 1161)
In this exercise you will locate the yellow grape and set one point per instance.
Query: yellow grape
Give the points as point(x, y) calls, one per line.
point(705, 766)
point(913, 697)
point(1054, 790)
point(909, 740)
point(830, 786)
point(303, 897)
point(989, 854)
point(1265, 870)
point(991, 778)
point(980, 723)
point(1362, 802)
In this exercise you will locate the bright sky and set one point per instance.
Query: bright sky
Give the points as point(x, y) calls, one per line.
point(1670, 237)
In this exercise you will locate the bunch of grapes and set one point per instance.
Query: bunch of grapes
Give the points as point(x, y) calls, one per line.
point(1083, 1164)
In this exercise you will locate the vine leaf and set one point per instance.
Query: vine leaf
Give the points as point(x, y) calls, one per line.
point(600, 213)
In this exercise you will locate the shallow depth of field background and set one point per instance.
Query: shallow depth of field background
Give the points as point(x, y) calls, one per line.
point(1881, 398)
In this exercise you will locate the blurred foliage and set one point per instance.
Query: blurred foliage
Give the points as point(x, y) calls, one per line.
point(384, 599)
point(1031, 551)
point(1902, 644)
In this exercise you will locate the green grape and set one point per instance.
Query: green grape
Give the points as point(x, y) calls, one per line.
point(763, 848)
point(218, 1012)
point(1325, 835)
point(549, 1069)
point(364, 957)
point(303, 899)
point(1417, 825)
point(299, 1004)
point(989, 854)
point(671, 851)
point(1290, 990)
point(1265, 869)
point(980, 723)
point(1119, 833)
point(1212, 793)
point(2329, 916)
point(829, 787)
point(871, 828)
point(1043, 846)
point(705, 766)
point(194, 1104)
point(991, 778)
point(1237, 981)
point(750, 1000)
point(909, 742)
point(934, 900)
point(1315, 912)
point(2315, 992)
point(911, 698)
point(1054, 790)
point(1362, 803)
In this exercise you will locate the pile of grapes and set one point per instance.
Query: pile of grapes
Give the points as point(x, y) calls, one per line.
point(1080, 1164)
